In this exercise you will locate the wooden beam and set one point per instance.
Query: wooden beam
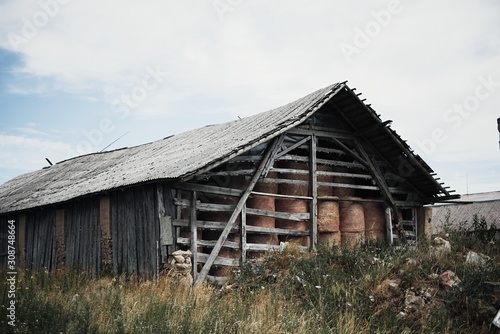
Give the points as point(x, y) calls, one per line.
point(218, 260)
point(377, 175)
point(279, 215)
point(293, 147)
point(280, 196)
point(235, 214)
point(264, 247)
point(209, 189)
point(280, 231)
point(272, 156)
point(350, 152)
point(322, 134)
point(208, 243)
point(313, 209)
point(243, 233)
point(194, 236)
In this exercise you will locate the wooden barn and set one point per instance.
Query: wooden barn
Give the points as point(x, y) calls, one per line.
point(324, 168)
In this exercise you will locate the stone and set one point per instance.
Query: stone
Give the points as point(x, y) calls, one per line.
point(441, 245)
point(179, 258)
point(476, 258)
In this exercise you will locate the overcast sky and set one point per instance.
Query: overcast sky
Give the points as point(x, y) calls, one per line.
point(77, 75)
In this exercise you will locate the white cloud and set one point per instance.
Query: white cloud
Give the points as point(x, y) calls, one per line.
point(27, 153)
point(265, 54)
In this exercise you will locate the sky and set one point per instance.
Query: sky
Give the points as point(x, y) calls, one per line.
point(82, 76)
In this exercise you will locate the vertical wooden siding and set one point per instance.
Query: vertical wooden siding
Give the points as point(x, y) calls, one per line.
point(135, 231)
point(83, 235)
point(40, 239)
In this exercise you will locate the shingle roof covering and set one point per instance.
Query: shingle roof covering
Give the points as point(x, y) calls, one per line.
point(187, 153)
point(171, 158)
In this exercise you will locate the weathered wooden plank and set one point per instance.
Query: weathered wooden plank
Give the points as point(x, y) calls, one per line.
point(321, 134)
point(264, 248)
point(284, 181)
point(377, 175)
point(129, 246)
point(347, 185)
point(235, 214)
point(214, 207)
point(293, 147)
point(352, 175)
point(313, 209)
point(221, 261)
point(279, 215)
point(210, 189)
point(229, 173)
point(194, 236)
point(243, 234)
point(272, 156)
point(181, 222)
point(280, 231)
point(208, 243)
point(139, 227)
point(280, 196)
point(182, 202)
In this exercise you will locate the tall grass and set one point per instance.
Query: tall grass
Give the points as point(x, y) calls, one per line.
point(330, 291)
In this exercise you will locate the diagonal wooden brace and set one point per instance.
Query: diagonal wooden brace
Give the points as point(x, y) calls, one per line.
point(230, 224)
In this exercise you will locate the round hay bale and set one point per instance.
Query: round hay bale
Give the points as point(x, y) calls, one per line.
point(352, 218)
point(232, 253)
point(342, 191)
point(290, 188)
point(328, 216)
point(289, 205)
point(374, 221)
point(325, 190)
point(329, 238)
point(352, 224)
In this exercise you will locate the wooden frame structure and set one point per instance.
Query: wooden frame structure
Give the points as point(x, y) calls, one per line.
point(311, 163)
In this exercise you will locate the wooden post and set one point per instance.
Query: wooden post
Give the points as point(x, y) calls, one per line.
point(235, 214)
point(313, 225)
point(243, 234)
point(106, 240)
point(22, 241)
point(60, 239)
point(424, 227)
point(388, 225)
point(194, 236)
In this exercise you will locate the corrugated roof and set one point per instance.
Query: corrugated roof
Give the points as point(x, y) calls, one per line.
point(185, 154)
point(171, 158)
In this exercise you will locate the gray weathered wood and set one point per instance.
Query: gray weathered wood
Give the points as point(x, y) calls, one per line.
point(218, 260)
point(279, 215)
point(292, 147)
point(210, 189)
point(243, 234)
point(280, 196)
point(280, 231)
point(235, 214)
point(208, 243)
point(194, 236)
point(313, 209)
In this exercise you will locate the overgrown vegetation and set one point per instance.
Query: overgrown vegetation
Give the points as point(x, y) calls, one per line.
point(370, 289)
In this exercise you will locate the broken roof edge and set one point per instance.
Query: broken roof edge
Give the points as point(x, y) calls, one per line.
point(310, 110)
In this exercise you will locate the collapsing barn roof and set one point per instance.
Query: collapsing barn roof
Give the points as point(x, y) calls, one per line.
point(196, 151)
